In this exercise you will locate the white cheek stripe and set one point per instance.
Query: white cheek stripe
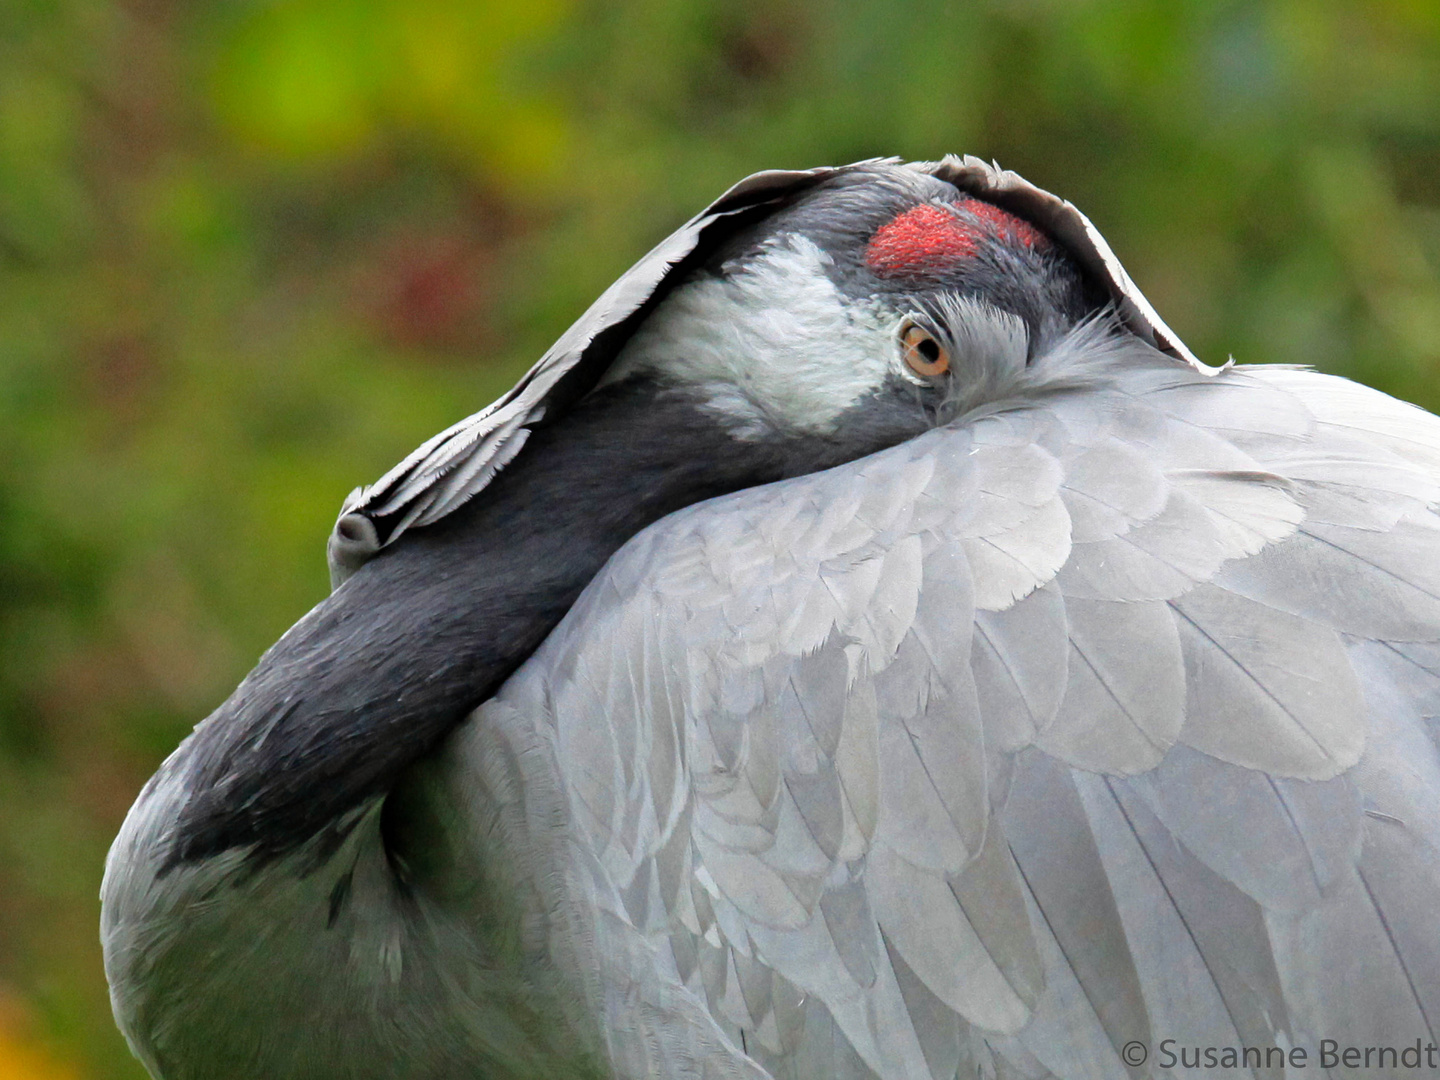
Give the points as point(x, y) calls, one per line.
point(775, 344)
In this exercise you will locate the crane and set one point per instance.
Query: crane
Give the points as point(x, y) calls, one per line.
point(867, 644)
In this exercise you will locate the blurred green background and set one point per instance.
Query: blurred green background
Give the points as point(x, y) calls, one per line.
point(253, 253)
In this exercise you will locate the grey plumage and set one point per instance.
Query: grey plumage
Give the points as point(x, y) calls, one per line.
point(1186, 832)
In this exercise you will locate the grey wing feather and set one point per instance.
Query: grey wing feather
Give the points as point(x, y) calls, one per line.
point(893, 739)
point(1124, 698)
point(1214, 958)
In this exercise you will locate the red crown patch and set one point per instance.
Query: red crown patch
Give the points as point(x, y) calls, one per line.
point(931, 239)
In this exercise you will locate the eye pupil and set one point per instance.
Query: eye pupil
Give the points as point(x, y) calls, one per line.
point(923, 354)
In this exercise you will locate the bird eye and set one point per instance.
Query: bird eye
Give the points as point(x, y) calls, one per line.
point(923, 354)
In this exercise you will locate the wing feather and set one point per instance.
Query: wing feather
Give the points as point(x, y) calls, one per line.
point(1227, 928)
point(1265, 689)
point(1125, 698)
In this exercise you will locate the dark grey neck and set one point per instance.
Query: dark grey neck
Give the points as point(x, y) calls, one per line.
point(377, 674)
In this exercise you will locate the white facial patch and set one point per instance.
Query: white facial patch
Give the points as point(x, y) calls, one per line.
point(773, 346)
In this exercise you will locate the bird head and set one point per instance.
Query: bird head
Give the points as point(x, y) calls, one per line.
point(836, 310)
point(883, 301)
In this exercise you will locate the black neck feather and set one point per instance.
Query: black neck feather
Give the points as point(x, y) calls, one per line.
point(375, 675)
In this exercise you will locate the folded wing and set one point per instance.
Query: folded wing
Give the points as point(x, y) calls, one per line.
point(1099, 718)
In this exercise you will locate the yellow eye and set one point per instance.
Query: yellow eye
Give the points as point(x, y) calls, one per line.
point(923, 354)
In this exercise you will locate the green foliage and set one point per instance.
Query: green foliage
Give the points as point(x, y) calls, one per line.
point(252, 253)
